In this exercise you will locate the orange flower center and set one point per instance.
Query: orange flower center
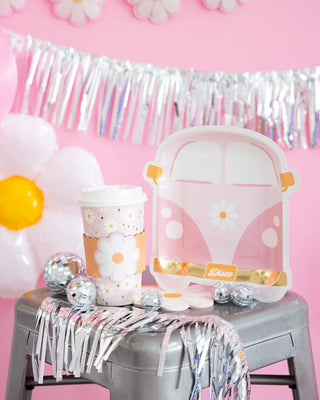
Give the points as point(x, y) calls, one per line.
point(172, 295)
point(21, 202)
point(222, 214)
point(117, 258)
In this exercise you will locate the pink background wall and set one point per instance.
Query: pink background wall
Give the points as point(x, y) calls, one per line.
point(261, 35)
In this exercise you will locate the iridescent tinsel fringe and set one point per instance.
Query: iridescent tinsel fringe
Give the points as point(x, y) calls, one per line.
point(64, 331)
point(145, 103)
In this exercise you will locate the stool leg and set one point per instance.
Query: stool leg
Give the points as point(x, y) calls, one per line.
point(301, 366)
point(19, 367)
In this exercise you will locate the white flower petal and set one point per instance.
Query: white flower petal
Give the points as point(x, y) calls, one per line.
point(158, 13)
point(129, 244)
point(26, 145)
point(130, 268)
point(19, 267)
point(57, 231)
point(106, 270)
point(70, 171)
point(143, 10)
point(63, 9)
point(5, 8)
point(200, 302)
point(91, 9)
point(172, 6)
point(100, 257)
point(18, 4)
point(105, 246)
point(117, 242)
point(229, 222)
point(223, 225)
point(195, 290)
point(78, 16)
point(133, 255)
point(212, 3)
point(175, 304)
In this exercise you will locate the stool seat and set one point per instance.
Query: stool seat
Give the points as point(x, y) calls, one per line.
point(270, 333)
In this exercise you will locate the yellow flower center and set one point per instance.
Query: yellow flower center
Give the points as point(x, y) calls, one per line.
point(172, 295)
point(117, 258)
point(222, 215)
point(21, 202)
point(77, 1)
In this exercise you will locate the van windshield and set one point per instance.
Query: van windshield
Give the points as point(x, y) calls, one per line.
point(247, 164)
point(199, 161)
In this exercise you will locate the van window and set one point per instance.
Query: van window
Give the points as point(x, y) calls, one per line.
point(200, 161)
point(247, 164)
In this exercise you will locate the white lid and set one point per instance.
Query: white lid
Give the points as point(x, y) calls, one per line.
point(112, 195)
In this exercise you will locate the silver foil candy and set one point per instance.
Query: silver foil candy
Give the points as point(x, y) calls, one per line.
point(60, 269)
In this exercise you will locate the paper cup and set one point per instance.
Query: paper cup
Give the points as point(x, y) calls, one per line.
point(114, 241)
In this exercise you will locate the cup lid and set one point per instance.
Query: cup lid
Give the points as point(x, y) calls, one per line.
point(112, 195)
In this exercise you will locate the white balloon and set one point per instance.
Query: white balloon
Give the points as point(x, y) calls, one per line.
point(70, 171)
point(19, 270)
point(26, 145)
point(55, 232)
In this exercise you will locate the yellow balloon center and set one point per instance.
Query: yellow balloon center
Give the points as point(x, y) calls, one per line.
point(21, 202)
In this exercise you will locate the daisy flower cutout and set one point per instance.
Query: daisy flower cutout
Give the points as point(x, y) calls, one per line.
point(195, 296)
point(78, 12)
point(224, 5)
point(89, 216)
point(39, 191)
point(117, 256)
point(156, 10)
point(129, 215)
point(111, 226)
point(8, 6)
point(223, 215)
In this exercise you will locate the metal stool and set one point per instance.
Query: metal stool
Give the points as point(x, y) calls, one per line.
point(270, 333)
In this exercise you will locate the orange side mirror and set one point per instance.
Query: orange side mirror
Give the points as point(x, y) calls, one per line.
point(154, 173)
point(287, 179)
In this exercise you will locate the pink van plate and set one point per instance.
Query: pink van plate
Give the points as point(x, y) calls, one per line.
point(220, 211)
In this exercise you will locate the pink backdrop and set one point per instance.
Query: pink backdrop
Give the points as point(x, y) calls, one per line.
point(261, 35)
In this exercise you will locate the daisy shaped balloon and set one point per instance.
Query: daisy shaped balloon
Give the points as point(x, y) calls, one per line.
point(195, 296)
point(224, 5)
point(78, 12)
point(156, 10)
point(39, 190)
point(7, 7)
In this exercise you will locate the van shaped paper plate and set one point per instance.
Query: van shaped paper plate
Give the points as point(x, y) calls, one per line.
point(220, 211)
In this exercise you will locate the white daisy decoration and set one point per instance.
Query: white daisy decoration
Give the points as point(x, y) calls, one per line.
point(78, 12)
point(117, 256)
point(89, 216)
point(195, 296)
point(224, 5)
point(223, 215)
point(111, 226)
point(7, 7)
point(129, 216)
point(156, 10)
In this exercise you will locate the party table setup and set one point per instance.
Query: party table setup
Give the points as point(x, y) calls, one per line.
point(214, 315)
point(220, 307)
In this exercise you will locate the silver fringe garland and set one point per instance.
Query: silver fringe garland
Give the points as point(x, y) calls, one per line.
point(64, 332)
point(145, 103)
